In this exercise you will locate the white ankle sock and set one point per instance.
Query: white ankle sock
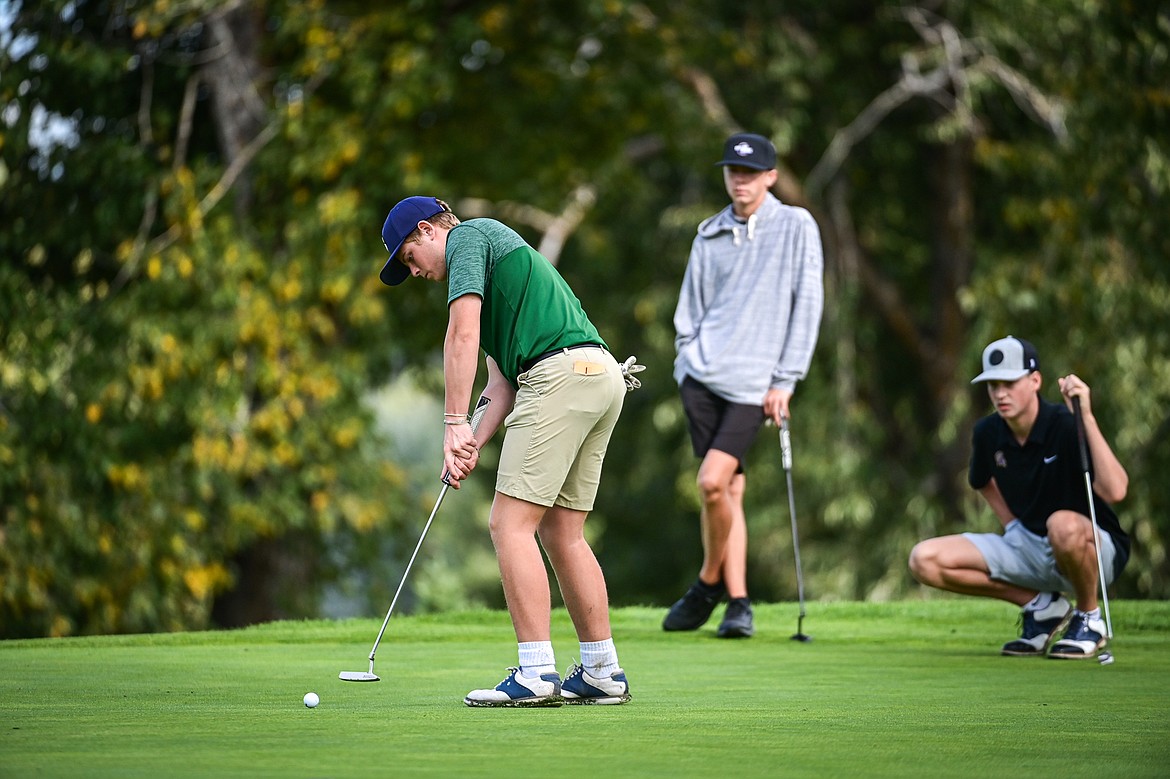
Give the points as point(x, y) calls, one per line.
point(599, 658)
point(1041, 601)
point(536, 658)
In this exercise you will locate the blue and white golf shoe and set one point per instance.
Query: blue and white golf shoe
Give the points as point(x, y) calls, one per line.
point(580, 686)
point(518, 690)
point(1083, 638)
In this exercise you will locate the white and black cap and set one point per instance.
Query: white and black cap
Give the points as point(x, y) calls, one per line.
point(1008, 359)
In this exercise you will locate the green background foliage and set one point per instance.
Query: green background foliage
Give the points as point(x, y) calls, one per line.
point(211, 412)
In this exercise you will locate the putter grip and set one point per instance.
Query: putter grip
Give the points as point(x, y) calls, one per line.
point(480, 410)
point(785, 445)
point(1084, 447)
point(476, 418)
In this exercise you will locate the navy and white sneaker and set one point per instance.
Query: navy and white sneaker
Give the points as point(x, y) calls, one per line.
point(583, 687)
point(1039, 628)
point(518, 690)
point(1084, 638)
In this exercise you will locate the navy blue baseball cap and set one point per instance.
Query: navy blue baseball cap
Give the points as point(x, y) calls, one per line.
point(403, 220)
point(749, 150)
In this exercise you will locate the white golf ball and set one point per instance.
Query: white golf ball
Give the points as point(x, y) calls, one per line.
point(311, 700)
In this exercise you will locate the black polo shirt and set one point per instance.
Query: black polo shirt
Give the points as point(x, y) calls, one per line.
point(1042, 476)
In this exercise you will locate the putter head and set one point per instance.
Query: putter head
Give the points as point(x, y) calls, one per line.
point(801, 637)
point(1105, 658)
point(358, 676)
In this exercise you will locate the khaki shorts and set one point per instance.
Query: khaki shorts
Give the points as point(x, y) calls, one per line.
point(560, 427)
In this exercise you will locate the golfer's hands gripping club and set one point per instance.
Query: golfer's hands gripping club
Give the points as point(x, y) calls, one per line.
point(776, 405)
point(1075, 392)
point(460, 449)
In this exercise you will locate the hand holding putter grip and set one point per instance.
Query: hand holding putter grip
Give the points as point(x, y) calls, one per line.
point(370, 676)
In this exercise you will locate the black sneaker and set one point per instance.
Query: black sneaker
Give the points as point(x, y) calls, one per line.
point(692, 610)
point(737, 620)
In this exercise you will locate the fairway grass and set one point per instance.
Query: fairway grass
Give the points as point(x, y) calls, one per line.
point(902, 689)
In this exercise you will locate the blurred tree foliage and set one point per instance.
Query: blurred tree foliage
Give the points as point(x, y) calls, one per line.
point(191, 327)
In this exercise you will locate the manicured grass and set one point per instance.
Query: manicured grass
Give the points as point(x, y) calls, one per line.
point(898, 689)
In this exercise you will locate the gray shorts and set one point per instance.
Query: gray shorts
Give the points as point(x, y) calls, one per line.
point(1022, 558)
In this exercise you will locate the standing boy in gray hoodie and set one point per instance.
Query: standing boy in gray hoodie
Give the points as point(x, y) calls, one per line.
point(747, 322)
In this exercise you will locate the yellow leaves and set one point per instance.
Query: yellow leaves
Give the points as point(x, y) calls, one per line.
point(286, 454)
point(154, 268)
point(361, 515)
point(248, 515)
point(289, 291)
point(335, 290)
point(319, 36)
point(62, 626)
point(211, 452)
point(1059, 210)
point(404, 59)
point(194, 520)
point(93, 413)
point(147, 381)
point(194, 218)
point(323, 42)
point(321, 324)
point(339, 207)
point(492, 20)
point(320, 386)
point(348, 434)
point(271, 421)
point(129, 477)
point(367, 310)
point(205, 580)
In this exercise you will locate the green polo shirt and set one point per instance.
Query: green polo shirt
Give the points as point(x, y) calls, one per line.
point(528, 308)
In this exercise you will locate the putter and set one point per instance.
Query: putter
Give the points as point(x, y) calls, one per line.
point(1106, 657)
point(786, 459)
point(370, 676)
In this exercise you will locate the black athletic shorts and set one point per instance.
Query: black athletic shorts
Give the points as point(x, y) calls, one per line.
point(716, 423)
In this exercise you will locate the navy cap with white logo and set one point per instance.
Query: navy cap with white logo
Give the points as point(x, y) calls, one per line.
point(1008, 359)
point(749, 150)
point(403, 220)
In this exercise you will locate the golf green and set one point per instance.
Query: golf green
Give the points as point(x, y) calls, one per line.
point(912, 688)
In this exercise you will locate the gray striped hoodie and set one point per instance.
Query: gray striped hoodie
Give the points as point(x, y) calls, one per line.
point(749, 310)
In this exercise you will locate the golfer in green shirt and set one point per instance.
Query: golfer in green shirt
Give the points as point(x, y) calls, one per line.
point(552, 376)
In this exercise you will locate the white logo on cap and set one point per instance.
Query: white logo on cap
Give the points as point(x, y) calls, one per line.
point(744, 149)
